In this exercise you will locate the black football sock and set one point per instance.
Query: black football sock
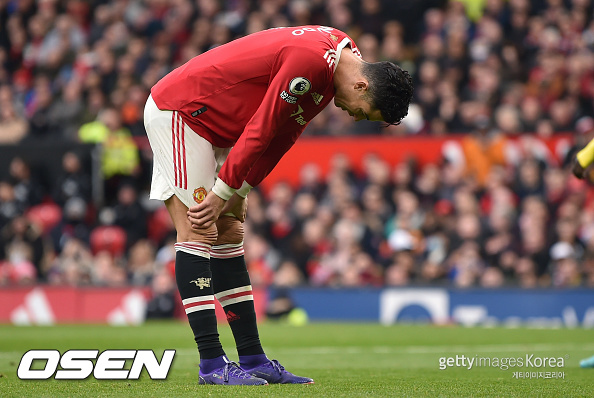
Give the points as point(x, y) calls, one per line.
point(233, 289)
point(193, 277)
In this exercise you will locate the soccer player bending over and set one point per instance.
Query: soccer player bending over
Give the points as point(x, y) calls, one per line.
point(217, 126)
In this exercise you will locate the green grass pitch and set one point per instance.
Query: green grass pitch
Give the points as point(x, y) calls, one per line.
point(346, 360)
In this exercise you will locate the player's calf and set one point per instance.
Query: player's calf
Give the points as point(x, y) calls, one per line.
point(194, 281)
point(233, 289)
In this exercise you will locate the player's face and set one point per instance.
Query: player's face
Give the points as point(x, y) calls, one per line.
point(357, 107)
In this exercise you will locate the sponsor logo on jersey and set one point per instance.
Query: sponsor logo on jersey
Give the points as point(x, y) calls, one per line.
point(299, 119)
point(288, 98)
point(317, 98)
point(202, 282)
point(299, 86)
point(298, 111)
point(199, 195)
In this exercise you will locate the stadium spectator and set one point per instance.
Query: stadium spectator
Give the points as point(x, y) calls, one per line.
point(310, 245)
point(73, 224)
point(73, 265)
point(38, 106)
point(66, 113)
point(10, 207)
point(288, 275)
point(13, 127)
point(130, 215)
point(483, 149)
point(108, 270)
point(141, 264)
point(362, 271)
point(261, 261)
point(17, 268)
point(346, 245)
point(530, 179)
point(565, 268)
point(21, 242)
point(27, 189)
point(163, 296)
point(74, 181)
point(403, 266)
point(120, 159)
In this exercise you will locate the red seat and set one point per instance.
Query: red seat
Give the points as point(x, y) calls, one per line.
point(159, 225)
point(45, 215)
point(108, 238)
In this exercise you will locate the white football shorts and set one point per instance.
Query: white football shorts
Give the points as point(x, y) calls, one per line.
point(184, 163)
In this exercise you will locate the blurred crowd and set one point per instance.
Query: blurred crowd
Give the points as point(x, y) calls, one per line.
point(529, 224)
point(483, 215)
point(523, 64)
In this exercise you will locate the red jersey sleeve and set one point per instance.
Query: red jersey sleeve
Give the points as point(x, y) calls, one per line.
point(295, 72)
point(269, 159)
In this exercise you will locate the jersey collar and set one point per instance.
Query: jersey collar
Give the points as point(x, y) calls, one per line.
point(345, 42)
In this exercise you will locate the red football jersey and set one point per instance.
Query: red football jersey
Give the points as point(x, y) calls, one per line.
point(256, 94)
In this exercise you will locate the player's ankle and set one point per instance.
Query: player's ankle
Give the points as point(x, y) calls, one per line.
point(252, 361)
point(212, 364)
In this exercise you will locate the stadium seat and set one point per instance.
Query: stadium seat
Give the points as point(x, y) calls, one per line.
point(108, 238)
point(45, 215)
point(159, 225)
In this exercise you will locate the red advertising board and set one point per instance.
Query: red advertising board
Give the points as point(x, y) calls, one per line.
point(48, 305)
point(393, 150)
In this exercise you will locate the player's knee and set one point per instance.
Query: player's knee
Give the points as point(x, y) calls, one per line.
point(230, 230)
point(203, 235)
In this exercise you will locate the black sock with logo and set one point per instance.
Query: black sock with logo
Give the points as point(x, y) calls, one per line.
point(194, 281)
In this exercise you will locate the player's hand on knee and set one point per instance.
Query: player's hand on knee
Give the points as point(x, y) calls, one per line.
point(236, 205)
point(205, 214)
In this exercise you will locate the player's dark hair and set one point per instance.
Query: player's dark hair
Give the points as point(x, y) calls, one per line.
point(390, 89)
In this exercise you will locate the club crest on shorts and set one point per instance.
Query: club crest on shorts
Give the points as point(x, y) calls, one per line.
point(199, 195)
point(299, 86)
